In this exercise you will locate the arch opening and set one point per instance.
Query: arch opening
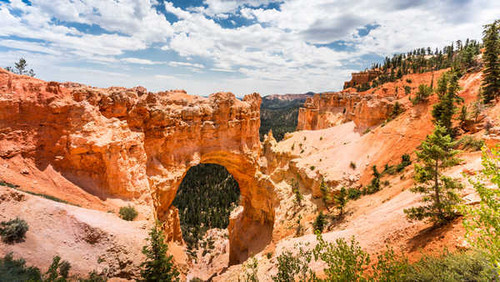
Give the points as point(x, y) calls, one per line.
point(206, 196)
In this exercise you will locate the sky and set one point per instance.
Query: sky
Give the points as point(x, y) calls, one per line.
point(241, 46)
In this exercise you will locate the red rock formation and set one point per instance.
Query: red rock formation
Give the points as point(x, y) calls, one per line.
point(329, 109)
point(359, 78)
point(134, 144)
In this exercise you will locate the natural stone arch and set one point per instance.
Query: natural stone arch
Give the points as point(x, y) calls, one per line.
point(220, 130)
point(249, 231)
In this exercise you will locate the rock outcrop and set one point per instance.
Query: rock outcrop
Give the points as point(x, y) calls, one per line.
point(330, 109)
point(138, 145)
point(359, 78)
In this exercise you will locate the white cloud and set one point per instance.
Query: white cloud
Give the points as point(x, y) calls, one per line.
point(185, 64)
point(278, 53)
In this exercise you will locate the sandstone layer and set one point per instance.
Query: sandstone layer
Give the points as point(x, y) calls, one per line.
point(330, 109)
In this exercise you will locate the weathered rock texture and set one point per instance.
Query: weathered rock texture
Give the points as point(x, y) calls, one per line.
point(138, 145)
point(330, 109)
point(359, 78)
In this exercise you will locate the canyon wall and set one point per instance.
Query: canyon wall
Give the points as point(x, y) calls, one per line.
point(137, 145)
point(330, 109)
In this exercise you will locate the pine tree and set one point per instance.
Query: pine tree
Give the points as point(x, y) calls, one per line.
point(158, 266)
point(447, 91)
point(341, 200)
point(439, 193)
point(491, 73)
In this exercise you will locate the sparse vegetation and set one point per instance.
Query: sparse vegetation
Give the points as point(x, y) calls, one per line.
point(251, 267)
point(58, 270)
point(326, 194)
point(374, 185)
point(21, 67)
point(294, 267)
point(340, 200)
point(16, 270)
point(354, 193)
point(320, 222)
point(345, 261)
point(296, 192)
point(128, 213)
point(352, 165)
point(14, 230)
point(468, 142)
point(422, 95)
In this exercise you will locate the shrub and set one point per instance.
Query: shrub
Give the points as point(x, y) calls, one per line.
point(13, 230)
point(353, 193)
point(405, 161)
point(352, 165)
point(470, 266)
point(58, 270)
point(128, 213)
point(340, 200)
point(294, 267)
point(407, 89)
point(320, 222)
point(389, 267)
point(345, 261)
point(16, 270)
point(296, 192)
point(469, 142)
point(251, 267)
point(424, 91)
point(484, 217)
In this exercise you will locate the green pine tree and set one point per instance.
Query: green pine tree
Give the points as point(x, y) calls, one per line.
point(341, 200)
point(158, 266)
point(447, 91)
point(491, 72)
point(439, 193)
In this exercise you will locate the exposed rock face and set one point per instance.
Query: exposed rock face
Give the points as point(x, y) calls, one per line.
point(359, 78)
point(135, 144)
point(330, 109)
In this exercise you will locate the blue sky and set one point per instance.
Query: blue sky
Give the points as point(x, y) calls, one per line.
point(242, 46)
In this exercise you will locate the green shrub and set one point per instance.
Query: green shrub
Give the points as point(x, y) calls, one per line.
point(94, 277)
point(320, 222)
point(353, 193)
point(389, 267)
point(16, 270)
point(128, 213)
point(13, 230)
point(407, 89)
point(345, 261)
point(294, 267)
point(58, 270)
point(470, 143)
point(423, 93)
point(469, 266)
